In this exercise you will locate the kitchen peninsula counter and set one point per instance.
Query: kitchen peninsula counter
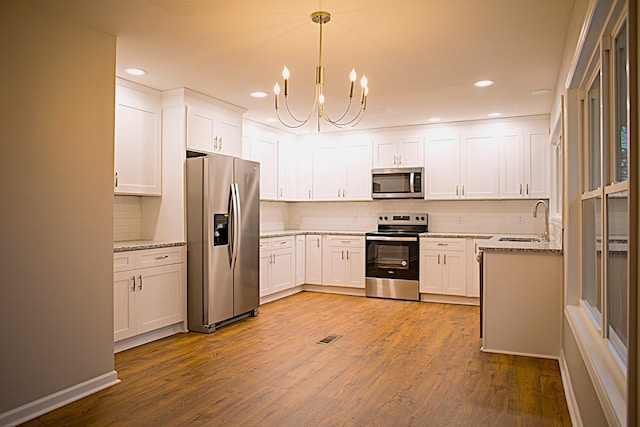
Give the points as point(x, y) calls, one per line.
point(138, 245)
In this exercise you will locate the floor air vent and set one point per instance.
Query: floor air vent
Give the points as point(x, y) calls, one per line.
point(328, 339)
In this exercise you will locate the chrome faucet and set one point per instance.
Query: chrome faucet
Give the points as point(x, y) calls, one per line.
point(545, 236)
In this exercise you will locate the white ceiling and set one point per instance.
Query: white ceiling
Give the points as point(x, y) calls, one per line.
point(421, 57)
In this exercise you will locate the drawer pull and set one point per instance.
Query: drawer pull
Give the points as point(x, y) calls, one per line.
point(162, 257)
point(284, 242)
point(140, 282)
point(133, 288)
point(443, 244)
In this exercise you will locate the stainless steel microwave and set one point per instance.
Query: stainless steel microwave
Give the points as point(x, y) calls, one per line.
point(398, 183)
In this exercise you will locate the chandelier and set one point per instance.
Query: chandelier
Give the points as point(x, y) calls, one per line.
point(349, 118)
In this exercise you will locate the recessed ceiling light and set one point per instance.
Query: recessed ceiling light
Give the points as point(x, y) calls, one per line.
point(496, 114)
point(258, 94)
point(136, 71)
point(483, 83)
point(541, 92)
point(435, 119)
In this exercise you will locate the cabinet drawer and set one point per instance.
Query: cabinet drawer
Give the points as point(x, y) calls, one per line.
point(123, 261)
point(156, 257)
point(281, 242)
point(443, 244)
point(345, 241)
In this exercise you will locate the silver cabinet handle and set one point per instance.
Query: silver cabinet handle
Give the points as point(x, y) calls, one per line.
point(445, 259)
point(162, 257)
point(344, 192)
point(395, 160)
point(347, 255)
point(443, 244)
point(274, 259)
point(215, 143)
point(527, 189)
point(116, 179)
point(281, 192)
point(140, 282)
point(521, 189)
point(457, 190)
point(463, 190)
point(220, 143)
point(342, 252)
point(133, 288)
point(399, 160)
point(284, 242)
point(338, 192)
point(438, 258)
point(309, 193)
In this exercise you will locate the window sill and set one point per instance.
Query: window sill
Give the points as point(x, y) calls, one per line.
point(606, 375)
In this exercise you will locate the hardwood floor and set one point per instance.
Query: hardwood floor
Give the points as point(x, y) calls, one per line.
point(397, 363)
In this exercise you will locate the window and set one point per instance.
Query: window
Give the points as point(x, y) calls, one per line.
point(605, 206)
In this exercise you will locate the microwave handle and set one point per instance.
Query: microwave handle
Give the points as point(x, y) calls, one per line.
point(411, 182)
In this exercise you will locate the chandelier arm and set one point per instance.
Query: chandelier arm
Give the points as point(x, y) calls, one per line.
point(300, 124)
point(286, 103)
point(353, 121)
point(339, 119)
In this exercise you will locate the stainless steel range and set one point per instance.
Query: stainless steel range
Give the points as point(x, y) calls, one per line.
point(392, 269)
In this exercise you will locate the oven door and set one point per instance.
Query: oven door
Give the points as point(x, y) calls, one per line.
point(392, 257)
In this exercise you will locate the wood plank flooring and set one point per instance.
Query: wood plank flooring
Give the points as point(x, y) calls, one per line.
point(397, 363)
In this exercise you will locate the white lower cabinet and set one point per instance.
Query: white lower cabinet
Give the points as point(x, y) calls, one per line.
point(300, 259)
point(313, 259)
point(343, 261)
point(443, 266)
point(148, 290)
point(277, 264)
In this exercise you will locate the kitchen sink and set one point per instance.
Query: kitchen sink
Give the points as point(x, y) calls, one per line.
point(519, 239)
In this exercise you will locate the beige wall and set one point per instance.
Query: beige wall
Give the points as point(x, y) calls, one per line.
point(56, 221)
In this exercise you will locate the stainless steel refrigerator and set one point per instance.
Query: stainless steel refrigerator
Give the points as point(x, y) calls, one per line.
point(223, 232)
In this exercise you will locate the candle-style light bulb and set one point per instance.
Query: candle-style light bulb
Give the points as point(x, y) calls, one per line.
point(363, 81)
point(285, 76)
point(276, 91)
point(352, 78)
point(321, 99)
point(365, 89)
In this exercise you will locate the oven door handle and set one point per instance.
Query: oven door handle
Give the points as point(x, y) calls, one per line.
point(391, 239)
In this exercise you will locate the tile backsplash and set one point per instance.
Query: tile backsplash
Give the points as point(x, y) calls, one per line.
point(127, 218)
point(474, 216)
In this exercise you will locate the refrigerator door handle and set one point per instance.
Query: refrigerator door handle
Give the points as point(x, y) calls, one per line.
point(235, 218)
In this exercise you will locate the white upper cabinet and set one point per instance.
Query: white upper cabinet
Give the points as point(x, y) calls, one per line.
point(287, 168)
point(305, 171)
point(442, 166)
point(263, 148)
point(480, 167)
point(342, 169)
point(212, 129)
point(398, 152)
point(524, 164)
point(138, 141)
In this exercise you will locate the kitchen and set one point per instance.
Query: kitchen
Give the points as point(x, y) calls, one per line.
point(364, 222)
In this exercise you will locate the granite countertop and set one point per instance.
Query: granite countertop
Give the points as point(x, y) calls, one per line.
point(137, 245)
point(495, 245)
point(284, 233)
point(457, 235)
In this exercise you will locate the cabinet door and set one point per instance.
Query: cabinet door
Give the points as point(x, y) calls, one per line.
point(442, 171)
point(159, 297)
point(512, 165)
point(357, 171)
point(287, 170)
point(410, 152)
point(265, 269)
point(355, 267)
point(333, 266)
point(123, 295)
point(305, 172)
point(385, 153)
point(300, 251)
point(454, 273)
point(480, 167)
point(473, 283)
point(229, 130)
point(200, 130)
point(138, 144)
point(536, 163)
point(328, 172)
point(282, 269)
point(313, 259)
point(431, 272)
point(265, 152)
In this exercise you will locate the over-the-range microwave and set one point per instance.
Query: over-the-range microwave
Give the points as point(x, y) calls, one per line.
point(397, 183)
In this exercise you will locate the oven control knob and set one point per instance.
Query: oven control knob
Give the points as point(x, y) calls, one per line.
point(404, 263)
point(386, 218)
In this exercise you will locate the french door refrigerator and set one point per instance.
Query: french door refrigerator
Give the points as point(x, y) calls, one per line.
point(223, 232)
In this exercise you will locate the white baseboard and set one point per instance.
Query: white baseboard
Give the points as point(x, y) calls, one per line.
point(147, 337)
point(56, 400)
point(572, 403)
